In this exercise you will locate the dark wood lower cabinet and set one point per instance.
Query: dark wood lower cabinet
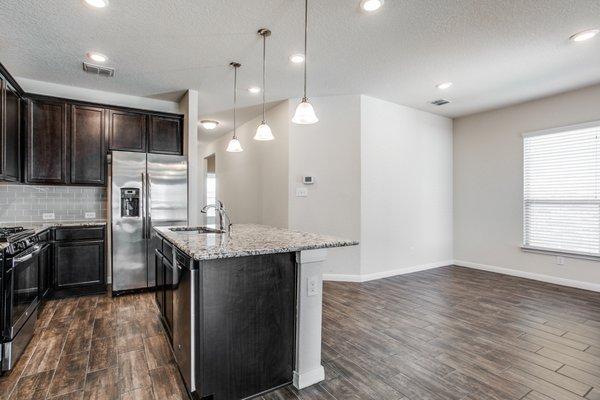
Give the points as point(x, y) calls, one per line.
point(248, 325)
point(78, 265)
point(244, 320)
point(45, 270)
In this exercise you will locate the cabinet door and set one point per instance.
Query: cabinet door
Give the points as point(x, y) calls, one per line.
point(45, 271)
point(248, 324)
point(160, 282)
point(11, 164)
point(47, 142)
point(88, 149)
point(165, 135)
point(127, 131)
point(78, 264)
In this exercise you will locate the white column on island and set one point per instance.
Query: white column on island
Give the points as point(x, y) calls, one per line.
point(189, 107)
point(308, 369)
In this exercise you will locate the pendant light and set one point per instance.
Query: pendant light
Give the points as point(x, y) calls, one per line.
point(234, 145)
point(305, 113)
point(263, 132)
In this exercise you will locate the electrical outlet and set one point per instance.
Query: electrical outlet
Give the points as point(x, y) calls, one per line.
point(90, 215)
point(313, 285)
point(560, 260)
point(48, 216)
point(301, 192)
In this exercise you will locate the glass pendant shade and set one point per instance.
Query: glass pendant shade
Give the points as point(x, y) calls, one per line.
point(305, 114)
point(234, 146)
point(263, 132)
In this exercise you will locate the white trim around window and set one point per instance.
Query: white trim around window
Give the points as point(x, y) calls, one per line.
point(561, 191)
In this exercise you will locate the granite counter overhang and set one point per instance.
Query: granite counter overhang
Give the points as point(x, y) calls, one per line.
point(41, 227)
point(248, 240)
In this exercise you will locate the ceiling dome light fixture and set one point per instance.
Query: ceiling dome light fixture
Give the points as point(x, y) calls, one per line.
point(97, 57)
point(263, 132)
point(254, 89)
point(585, 35)
point(444, 85)
point(97, 3)
point(297, 58)
point(305, 113)
point(209, 124)
point(371, 5)
point(234, 145)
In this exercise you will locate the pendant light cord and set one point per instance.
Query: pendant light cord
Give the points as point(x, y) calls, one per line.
point(305, 42)
point(264, 74)
point(235, 68)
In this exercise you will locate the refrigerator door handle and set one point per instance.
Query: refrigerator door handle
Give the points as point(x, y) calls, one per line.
point(143, 206)
point(148, 207)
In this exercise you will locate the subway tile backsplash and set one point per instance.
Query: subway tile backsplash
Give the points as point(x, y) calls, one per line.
point(26, 203)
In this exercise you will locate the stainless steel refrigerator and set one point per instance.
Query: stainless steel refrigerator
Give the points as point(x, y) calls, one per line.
point(148, 190)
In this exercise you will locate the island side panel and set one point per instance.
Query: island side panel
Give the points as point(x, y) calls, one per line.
point(309, 370)
point(248, 324)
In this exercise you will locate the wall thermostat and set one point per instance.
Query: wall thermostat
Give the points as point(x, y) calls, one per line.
point(308, 180)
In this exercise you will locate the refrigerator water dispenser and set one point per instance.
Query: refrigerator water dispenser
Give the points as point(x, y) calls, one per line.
point(130, 202)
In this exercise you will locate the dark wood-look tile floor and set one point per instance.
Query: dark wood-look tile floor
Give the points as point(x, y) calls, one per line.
point(96, 347)
point(457, 334)
point(444, 334)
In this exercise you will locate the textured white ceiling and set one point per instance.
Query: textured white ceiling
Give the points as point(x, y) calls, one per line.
point(496, 52)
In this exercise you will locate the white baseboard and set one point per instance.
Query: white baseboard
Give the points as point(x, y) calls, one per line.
point(309, 378)
point(530, 275)
point(384, 274)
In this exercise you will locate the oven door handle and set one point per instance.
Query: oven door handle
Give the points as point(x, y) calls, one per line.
point(26, 257)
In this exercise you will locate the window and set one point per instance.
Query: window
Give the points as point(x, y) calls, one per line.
point(561, 192)
point(211, 196)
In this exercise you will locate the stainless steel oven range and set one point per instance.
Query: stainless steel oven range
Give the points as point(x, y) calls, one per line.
point(19, 288)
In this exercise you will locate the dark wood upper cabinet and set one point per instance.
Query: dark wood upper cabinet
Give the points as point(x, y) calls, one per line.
point(165, 135)
point(88, 148)
point(127, 131)
point(47, 142)
point(10, 104)
point(11, 159)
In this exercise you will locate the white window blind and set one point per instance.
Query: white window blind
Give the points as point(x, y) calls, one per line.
point(562, 190)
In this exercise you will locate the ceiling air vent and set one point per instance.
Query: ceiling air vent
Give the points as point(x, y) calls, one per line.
point(440, 102)
point(98, 70)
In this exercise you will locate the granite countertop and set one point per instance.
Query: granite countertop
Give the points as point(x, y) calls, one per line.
point(39, 227)
point(248, 240)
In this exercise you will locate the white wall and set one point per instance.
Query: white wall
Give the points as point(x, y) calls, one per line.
point(253, 184)
point(96, 96)
point(188, 106)
point(406, 188)
point(488, 185)
point(329, 151)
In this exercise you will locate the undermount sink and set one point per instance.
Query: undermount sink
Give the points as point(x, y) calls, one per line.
point(197, 229)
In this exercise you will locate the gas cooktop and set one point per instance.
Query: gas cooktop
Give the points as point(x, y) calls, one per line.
point(14, 233)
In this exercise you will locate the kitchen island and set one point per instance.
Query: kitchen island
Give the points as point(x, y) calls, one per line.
point(243, 310)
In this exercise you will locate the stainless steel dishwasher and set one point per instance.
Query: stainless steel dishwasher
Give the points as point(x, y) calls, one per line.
point(184, 292)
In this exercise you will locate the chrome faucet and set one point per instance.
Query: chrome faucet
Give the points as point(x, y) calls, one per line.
point(218, 206)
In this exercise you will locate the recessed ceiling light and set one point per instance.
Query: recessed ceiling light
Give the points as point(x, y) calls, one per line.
point(254, 89)
point(444, 85)
point(371, 5)
point(97, 3)
point(209, 124)
point(297, 58)
point(98, 57)
point(585, 35)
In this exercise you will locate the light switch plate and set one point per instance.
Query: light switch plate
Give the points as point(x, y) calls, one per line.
point(301, 192)
point(313, 285)
point(90, 215)
point(48, 216)
point(560, 260)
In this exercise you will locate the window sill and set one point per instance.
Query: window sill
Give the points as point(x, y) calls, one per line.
point(568, 254)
